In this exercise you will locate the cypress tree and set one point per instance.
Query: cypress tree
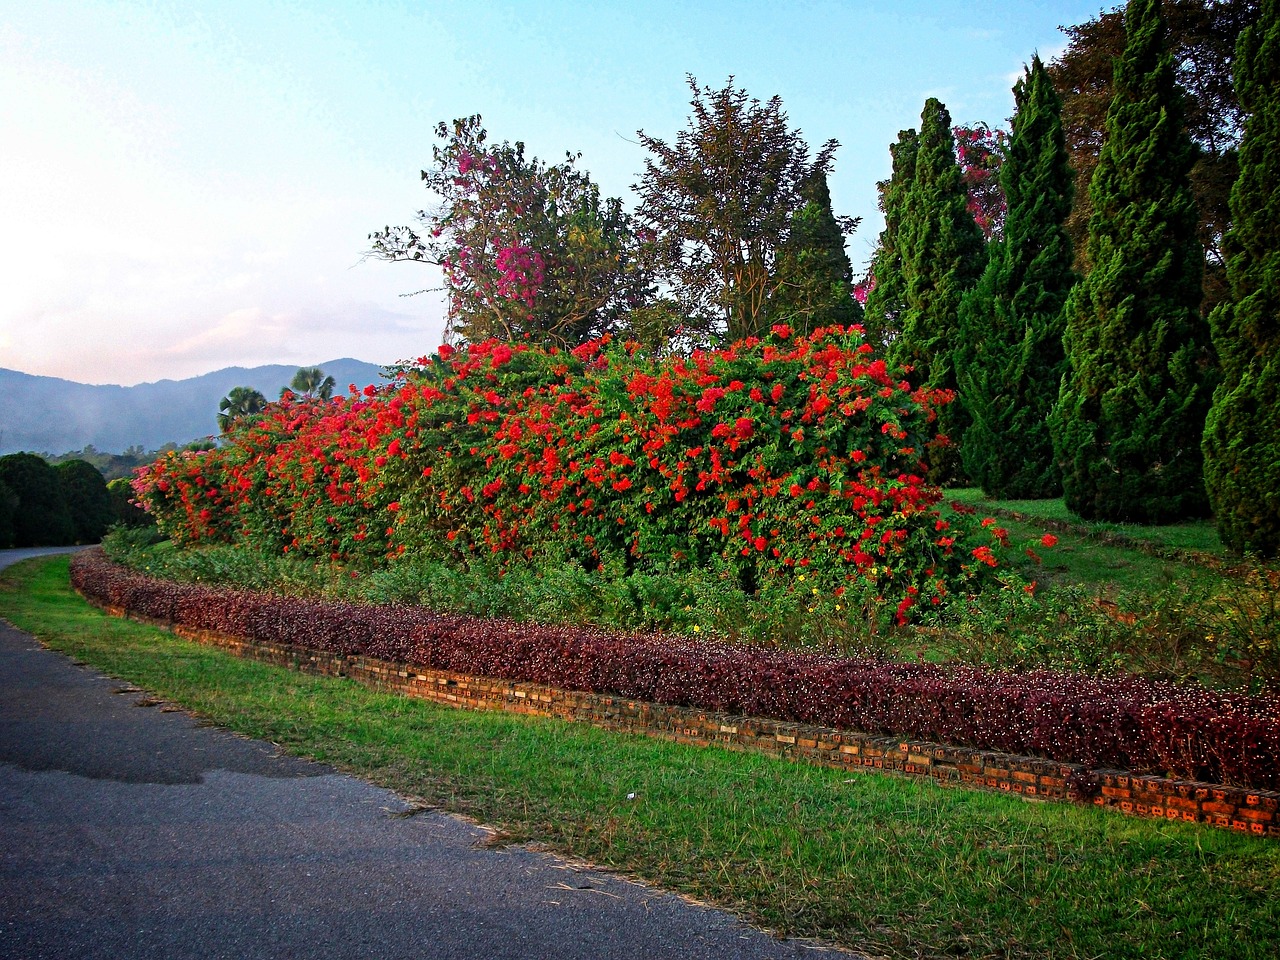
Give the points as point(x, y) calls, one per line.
point(942, 256)
point(1242, 434)
point(887, 299)
point(1010, 355)
point(813, 272)
point(1128, 422)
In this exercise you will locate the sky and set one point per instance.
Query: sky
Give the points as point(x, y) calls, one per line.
point(186, 186)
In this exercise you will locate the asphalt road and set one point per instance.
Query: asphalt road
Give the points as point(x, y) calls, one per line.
point(128, 830)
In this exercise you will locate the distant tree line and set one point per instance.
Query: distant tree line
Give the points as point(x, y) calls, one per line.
point(42, 504)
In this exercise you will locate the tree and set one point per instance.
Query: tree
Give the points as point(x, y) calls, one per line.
point(88, 502)
point(311, 382)
point(40, 517)
point(887, 290)
point(528, 249)
point(241, 402)
point(1202, 35)
point(1242, 433)
point(980, 151)
point(1128, 422)
point(813, 272)
point(1011, 323)
point(942, 256)
point(124, 511)
point(719, 204)
point(8, 507)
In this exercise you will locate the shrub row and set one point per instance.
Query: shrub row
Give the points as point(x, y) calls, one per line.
point(1117, 721)
point(776, 459)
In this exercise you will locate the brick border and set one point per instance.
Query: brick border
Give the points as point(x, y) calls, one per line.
point(1255, 812)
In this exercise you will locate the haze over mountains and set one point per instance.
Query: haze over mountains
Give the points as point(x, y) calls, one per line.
point(50, 415)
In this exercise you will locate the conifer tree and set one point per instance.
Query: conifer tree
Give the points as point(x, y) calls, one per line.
point(1010, 355)
point(887, 298)
point(942, 256)
point(1242, 435)
point(1128, 421)
point(813, 274)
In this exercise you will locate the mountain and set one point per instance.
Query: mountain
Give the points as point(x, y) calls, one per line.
point(49, 415)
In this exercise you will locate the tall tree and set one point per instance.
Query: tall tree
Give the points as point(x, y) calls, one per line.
point(942, 256)
point(528, 249)
point(1128, 422)
point(311, 382)
point(1242, 434)
point(887, 289)
point(1202, 35)
point(719, 202)
point(241, 402)
point(1011, 325)
point(815, 277)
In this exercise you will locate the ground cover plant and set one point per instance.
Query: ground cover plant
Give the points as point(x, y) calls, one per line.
point(1117, 721)
point(887, 866)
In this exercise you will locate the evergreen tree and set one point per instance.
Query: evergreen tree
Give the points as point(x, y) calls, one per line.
point(88, 502)
point(1128, 422)
point(40, 516)
point(942, 256)
point(813, 273)
point(1242, 435)
point(1010, 355)
point(887, 298)
point(8, 507)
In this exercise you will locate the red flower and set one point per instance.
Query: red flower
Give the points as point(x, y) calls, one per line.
point(1049, 540)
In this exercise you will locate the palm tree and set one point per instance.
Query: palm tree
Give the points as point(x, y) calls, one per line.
point(311, 382)
point(240, 402)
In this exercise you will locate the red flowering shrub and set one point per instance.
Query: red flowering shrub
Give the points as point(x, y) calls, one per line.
point(766, 458)
point(1127, 722)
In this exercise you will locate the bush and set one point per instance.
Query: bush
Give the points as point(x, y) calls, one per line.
point(41, 517)
point(766, 460)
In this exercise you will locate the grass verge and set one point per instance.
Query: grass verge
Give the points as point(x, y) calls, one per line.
point(889, 866)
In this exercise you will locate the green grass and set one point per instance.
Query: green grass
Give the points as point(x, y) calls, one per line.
point(1109, 570)
point(890, 866)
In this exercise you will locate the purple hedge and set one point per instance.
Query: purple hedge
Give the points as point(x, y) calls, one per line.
point(1120, 721)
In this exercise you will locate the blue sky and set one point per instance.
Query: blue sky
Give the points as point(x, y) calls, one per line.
point(189, 185)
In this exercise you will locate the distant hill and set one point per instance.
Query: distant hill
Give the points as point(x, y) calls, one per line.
point(49, 415)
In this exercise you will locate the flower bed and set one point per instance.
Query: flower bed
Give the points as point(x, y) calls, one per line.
point(1120, 721)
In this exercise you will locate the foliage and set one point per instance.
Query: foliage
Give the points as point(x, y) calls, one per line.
point(124, 511)
point(528, 249)
point(241, 403)
point(814, 275)
point(768, 457)
point(40, 517)
point(942, 255)
point(1202, 37)
point(87, 498)
point(8, 507)
point(311, 382)
point(886, 293)
point(1112, 721)
point(980, 152)
point(1242, 433)
point(719, 203)
point(1010, 358)
point(1127, 425)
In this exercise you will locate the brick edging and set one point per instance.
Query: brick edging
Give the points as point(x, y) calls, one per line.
point(1034, 778)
